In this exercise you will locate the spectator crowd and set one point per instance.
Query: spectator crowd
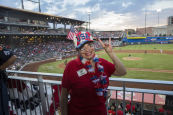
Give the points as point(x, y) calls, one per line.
point(39, 31)
point(135, 110)
point(30, 52)
point(107, 34)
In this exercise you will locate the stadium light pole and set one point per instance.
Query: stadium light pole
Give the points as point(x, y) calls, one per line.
point(145, 22)
point(158, 10)
point(22, 4)
point(89, 12)
point(36, 2)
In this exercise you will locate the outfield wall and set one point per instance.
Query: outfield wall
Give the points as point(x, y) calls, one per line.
point(148, 40)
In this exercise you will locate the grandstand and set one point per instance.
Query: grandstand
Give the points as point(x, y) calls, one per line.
point(27, 34)
point(106, 34)
point(116, 36)
point(23, 26)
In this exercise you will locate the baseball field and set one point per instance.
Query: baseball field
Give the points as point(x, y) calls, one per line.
point(152, 65)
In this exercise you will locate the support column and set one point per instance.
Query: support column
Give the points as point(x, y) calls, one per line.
point(11, 39)
point(29, 21)
point(53, 24)
point(64, 27)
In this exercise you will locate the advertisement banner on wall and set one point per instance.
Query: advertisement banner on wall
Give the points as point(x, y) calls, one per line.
point(164, 42)
point(169, 38)
point(153, 39)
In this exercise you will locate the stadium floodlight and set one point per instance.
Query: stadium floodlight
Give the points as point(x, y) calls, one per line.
point(89, 12)
point(158, 10)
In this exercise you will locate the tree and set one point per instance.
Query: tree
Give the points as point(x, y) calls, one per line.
point(129, 33)
point(147, 34)
point(170, 35)
point(160, 35)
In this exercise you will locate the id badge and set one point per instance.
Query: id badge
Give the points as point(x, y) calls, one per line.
point(81, 72)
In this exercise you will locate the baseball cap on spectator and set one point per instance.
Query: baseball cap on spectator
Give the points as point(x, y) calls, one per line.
point(81, 38)
point(137, 104)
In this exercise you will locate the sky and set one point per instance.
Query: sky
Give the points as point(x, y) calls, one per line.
point(106, 15)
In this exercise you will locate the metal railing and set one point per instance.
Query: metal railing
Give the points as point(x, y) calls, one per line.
point(44, 104)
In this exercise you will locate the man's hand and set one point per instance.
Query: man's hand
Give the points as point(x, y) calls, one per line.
point(8, 62)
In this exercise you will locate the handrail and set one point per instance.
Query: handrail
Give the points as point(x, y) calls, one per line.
point(109, 87)
point(35, 73)
point(158, 82)
point(34, 79)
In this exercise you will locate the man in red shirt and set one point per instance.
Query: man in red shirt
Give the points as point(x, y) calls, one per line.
point(119, 112)
point(112, 111)
point(128, 106)
point(163, 111)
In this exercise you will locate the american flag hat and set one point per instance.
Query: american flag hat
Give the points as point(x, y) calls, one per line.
point(81, 38)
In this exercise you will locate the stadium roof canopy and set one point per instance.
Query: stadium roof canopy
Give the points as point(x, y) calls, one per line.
point(26, 14)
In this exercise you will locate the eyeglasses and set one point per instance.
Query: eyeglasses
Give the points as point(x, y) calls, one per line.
point(90, 45)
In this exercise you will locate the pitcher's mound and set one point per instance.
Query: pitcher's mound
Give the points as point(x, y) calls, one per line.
point(132, 58)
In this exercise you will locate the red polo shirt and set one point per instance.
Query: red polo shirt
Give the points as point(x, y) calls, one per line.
point(113, 112)
point(128, 106)
point(119, 112)
point(84, 100)
point(162, 111)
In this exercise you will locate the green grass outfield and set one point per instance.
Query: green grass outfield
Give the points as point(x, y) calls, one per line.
point(149, 61)
point(168, 47)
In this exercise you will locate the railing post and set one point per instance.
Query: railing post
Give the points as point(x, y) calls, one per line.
point(42, 95)
point(154, 103)
point(107, 104)
point(124, 85)
point(142, 103)
point(165, 112)
point(131, 102)
point(116, 103)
